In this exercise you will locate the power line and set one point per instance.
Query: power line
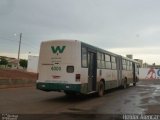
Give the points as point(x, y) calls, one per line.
point(25, 47)
point(28, 46)
point(4, 39)
point(23, 43)
point(14, 40)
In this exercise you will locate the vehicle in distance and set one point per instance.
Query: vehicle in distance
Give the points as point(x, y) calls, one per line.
point(75, 67)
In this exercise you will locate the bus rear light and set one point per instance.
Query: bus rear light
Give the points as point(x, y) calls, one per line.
point(78, 76)
point(56, 77)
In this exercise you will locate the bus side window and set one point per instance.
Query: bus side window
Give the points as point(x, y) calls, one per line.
point(131, 67)
point(113, 60)
point(98, 59)
point(124, 64)
point(107, 58)
point(127, 62)
point(108, 61)
point(103, 61)
point(84, 57)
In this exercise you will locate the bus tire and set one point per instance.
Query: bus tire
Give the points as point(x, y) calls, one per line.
point(134, 84)
point(135, 81)
point(101, 89)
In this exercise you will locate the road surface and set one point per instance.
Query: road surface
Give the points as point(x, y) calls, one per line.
point(142, 99)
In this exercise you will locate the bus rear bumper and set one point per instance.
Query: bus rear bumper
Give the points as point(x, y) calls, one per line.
point(58, 87)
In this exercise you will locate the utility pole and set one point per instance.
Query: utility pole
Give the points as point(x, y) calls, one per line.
point(19, 49)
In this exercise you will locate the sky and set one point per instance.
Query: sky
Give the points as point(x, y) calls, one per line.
point(120, 26)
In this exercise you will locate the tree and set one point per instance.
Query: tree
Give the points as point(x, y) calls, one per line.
point(23, 63)
point(3, 61)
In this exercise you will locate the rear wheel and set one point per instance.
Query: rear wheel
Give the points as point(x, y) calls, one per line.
point(101, 89)
point(134, 84)
point(135, 81)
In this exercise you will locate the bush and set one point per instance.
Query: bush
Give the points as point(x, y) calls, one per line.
point(3, 61)
point(23, 63)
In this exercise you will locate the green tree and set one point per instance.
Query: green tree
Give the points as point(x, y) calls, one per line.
point(23, 63)
point(3, 61)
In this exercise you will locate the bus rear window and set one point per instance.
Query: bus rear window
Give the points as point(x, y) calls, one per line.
point(70, 69)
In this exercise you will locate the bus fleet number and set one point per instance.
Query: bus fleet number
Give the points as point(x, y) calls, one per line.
point(55, 68)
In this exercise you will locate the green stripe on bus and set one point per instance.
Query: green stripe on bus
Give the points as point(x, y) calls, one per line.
point(81, 88)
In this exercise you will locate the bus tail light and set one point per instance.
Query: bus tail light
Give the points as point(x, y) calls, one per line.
point(78, 76)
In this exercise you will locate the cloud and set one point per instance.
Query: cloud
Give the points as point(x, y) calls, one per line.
point(147, 54)
point(6, 7)
point(142, 50)
point(109, 24)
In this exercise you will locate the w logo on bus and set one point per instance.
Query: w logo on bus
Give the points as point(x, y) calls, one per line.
point(58, 49)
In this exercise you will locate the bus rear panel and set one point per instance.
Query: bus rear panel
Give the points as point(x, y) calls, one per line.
point(59, 66)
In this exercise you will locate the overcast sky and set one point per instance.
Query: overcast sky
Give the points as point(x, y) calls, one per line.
point(120, 26)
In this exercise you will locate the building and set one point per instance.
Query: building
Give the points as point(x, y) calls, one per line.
point(32, 64)
point(140, 62)
point(12, 63)
point(154, 66)
point(130, 56)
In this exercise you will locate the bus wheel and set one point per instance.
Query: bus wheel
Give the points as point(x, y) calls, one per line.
point(101, 89)
point(134, 84)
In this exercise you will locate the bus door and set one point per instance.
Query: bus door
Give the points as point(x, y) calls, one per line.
point(134, 72)
point(92, 71)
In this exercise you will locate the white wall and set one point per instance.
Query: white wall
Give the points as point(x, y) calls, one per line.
point(32, 63)
point(149, 73)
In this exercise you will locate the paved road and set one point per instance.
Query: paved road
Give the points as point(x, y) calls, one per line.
point(144, 98)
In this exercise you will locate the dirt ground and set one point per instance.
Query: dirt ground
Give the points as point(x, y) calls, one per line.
point(17, 74)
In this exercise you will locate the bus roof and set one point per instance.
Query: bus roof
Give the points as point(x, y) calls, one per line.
point(92, 47)
point(99, 49)
point(130, 59)
point(62, 40)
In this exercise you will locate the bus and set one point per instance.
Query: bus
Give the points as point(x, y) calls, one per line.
point(75, 67)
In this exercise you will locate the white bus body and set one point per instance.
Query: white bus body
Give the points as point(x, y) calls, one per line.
point(76, 67)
